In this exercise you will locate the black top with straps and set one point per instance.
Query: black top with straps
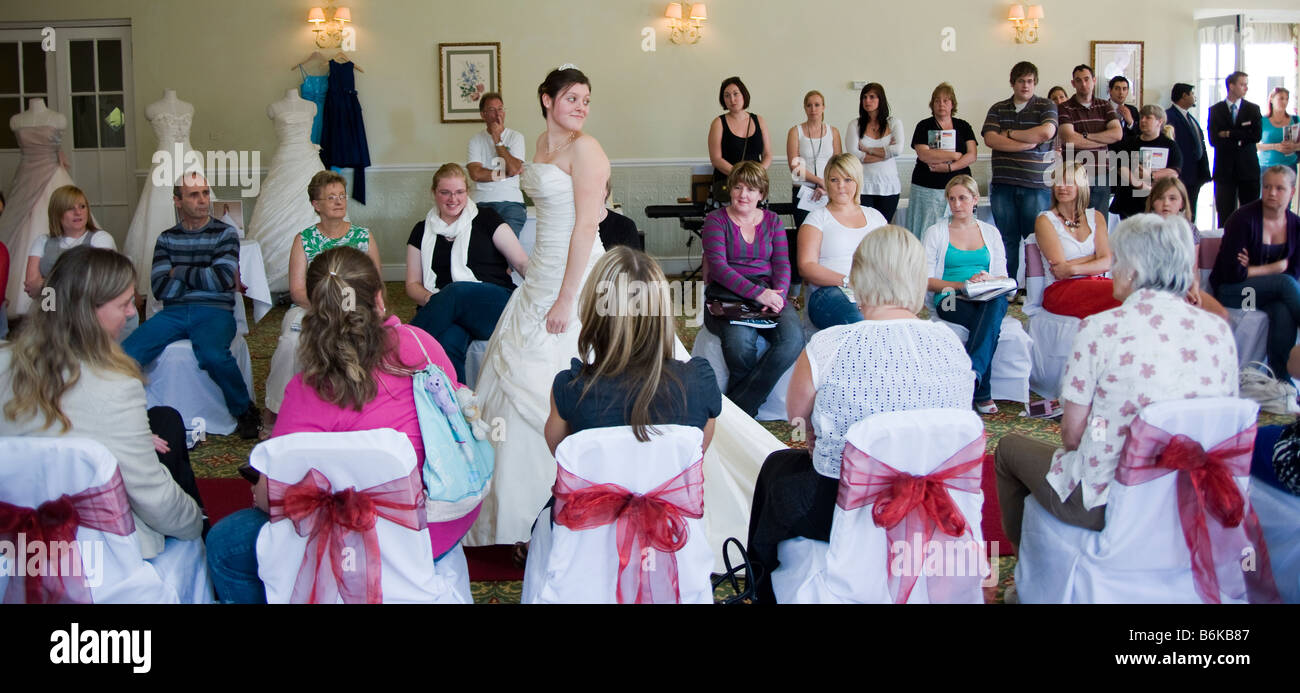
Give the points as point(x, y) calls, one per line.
point(736, 149)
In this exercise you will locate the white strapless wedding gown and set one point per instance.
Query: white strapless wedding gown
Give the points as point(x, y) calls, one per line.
point(283, 209)
point(515, 384)
point(26, 214)
point(156, 211)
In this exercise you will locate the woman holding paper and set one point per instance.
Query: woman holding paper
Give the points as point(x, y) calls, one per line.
point(1275, 147)
point(964, 249)
point(1148, 156)
point(945, 149)
point(808, 147)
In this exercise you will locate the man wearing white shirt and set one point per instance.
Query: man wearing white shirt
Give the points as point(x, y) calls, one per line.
point(1128, 115)
point(496, 156)
point(1195, 171)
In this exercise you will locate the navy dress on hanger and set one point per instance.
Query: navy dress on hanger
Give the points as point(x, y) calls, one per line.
point(343, 133)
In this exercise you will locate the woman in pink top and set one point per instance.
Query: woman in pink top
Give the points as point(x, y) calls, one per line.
point(356, 376)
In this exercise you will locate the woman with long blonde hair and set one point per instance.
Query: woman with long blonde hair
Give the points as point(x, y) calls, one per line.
point(1076, 253)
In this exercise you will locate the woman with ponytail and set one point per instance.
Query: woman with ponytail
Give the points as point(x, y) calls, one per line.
point(357, 363)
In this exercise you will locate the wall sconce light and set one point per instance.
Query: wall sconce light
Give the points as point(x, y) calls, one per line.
point(687, 30)
point(1026, 22)
point(329, 30)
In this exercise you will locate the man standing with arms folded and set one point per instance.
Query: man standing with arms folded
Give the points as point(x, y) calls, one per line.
point(1235, 128)
point(1127, 113)
point(1191, 141)
point(496, 156)
point(1019, 130)
point(1090, 125)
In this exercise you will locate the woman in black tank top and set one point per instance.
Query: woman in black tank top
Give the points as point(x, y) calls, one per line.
point(736, 135)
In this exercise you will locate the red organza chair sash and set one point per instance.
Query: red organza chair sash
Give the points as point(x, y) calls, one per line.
point(1218, 524)
point(650, 528)
point(335, 521)
point(53, 525)
point(909, 506)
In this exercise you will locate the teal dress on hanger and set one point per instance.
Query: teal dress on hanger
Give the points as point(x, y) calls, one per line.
point(313, 89)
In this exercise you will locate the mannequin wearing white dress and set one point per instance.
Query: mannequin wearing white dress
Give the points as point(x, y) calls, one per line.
point(42, 169)
point(171, 119)
point(283, 210)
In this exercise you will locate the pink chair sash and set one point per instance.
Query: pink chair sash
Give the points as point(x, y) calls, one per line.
point(906, 505)
point(654, 522)
point(336, 520)
point(104, 508)
point(1218, 523)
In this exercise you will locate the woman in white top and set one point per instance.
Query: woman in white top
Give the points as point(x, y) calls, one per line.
point(827, 240)
point(808, 146)
point(876, 138)
point(964, 249)
point(1076, 252)
point(70, 226)
point(889, 361)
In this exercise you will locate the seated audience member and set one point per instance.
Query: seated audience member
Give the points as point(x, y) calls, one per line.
point(356, 376)
point(195, 264)
point(735, 136)
point(1277, 448)
point(1169, 198)
point(458, 263)
point(1146, 141)
point(616, 229)
point(808, 146)
point(64, 375)
point(936, 165)
point(746, 258)
point(964, 249)
point(876, 139)
point(827, 240)
point(889, 361)
point(1072, 240)
point(1259, 261)
point(1153, 348)
point(329, 197)
point(4, 277)
point(70, 226)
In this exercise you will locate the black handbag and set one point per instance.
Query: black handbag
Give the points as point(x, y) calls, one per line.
point(741, 596)
point(725, 304)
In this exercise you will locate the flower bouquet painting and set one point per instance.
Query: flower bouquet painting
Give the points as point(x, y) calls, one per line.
point(466, 72)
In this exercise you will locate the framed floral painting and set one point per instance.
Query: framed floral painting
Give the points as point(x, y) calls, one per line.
point(467, 71)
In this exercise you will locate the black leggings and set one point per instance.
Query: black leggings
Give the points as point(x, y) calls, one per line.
point(166, 423)
point(790, 500)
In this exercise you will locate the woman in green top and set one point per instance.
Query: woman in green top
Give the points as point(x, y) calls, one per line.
point(329, 196)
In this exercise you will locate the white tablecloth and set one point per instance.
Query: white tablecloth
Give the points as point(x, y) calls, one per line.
point(252, 272)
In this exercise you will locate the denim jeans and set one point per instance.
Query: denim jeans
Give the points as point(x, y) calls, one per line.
point(512, 213)
point(1278, 295)
point(210, 330)
point(828, 306)
point(232, 557)
point(983, 320)
point(1014, 210)
point(459, 313)
point(751, 377)
point(1099, 199)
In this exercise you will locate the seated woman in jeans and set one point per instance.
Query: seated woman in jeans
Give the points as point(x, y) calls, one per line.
point(746, 257)
point(1259, 262)
point(827, 239)
point(959, 250)
point(458, 263)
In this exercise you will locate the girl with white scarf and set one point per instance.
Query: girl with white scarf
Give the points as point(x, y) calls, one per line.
point(458, 263)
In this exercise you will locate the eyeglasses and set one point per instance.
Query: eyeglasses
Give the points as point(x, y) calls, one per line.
point(333, 198)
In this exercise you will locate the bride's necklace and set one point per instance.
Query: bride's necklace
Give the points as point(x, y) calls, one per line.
point(551, 150)
point(1072, 223)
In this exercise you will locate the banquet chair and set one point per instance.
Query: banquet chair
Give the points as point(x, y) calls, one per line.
point(902, 556)
point(605, 477)
point(1249, 327)
point(311, 473)
point(36, 473)
point(709, 347)
point(1142, 554)
point(1012, 360)
point(1051, 335)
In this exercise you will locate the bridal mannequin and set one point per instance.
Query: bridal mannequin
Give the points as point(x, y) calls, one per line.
point(283, 210)
point(42, 169)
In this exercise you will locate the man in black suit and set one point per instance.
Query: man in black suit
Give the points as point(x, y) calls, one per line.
point(1191, 141)
point(1235, 129)
point(1128, 114)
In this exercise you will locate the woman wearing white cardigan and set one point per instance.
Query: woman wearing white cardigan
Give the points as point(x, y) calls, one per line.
point(961, 249)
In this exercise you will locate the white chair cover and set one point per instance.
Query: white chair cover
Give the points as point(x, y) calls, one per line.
point(1051, 335)
point(854, 566)
point(709, 347)
point(361, 460)
point(1249, 327)
point(474, 362)
point(567, 566)
point(175, 380)
point(1011, 360)
point(34, 470)
point(1279, 516)
point(1141, 556)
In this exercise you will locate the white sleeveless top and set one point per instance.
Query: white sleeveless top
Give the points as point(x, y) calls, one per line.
point(1071, 246)
point(815, 152)
point(839, 242)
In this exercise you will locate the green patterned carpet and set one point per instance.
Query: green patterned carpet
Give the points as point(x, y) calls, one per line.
point(219, 456)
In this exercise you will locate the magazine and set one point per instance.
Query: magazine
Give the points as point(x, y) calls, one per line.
point(945, 140)
point(1292, 132)
point(988, 289)
point(1153, 158)
point(756, 323)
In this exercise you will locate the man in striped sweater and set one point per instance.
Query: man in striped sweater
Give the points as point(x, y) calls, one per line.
point(195, 266)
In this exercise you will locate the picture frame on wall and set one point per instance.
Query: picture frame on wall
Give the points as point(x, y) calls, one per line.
point(466, 71)
point(1113, 58)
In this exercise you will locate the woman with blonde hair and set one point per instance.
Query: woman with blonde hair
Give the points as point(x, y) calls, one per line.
point(827, 241)
point(808, 147)
point(888, 361)
point(71, 225)
point(1073, 242)
point(1169, 198)
point(458, 262)
point(945, 148)
point(64, 375)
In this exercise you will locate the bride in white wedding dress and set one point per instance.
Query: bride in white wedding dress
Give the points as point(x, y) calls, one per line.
point(537, 335)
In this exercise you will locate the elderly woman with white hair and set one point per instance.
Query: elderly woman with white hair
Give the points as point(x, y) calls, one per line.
point(888, 361)
point(1154, 347)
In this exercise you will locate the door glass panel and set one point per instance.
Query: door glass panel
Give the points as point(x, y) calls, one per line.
point(110, 65)
point(8, 68)
point(112, 118)
point(84, 121)
point(9, 107)
point(81, 65)
point(33, 67)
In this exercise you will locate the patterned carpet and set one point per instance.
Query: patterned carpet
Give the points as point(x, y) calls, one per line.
point(219, 456)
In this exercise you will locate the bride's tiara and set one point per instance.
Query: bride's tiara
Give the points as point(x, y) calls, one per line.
point(567, 66)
